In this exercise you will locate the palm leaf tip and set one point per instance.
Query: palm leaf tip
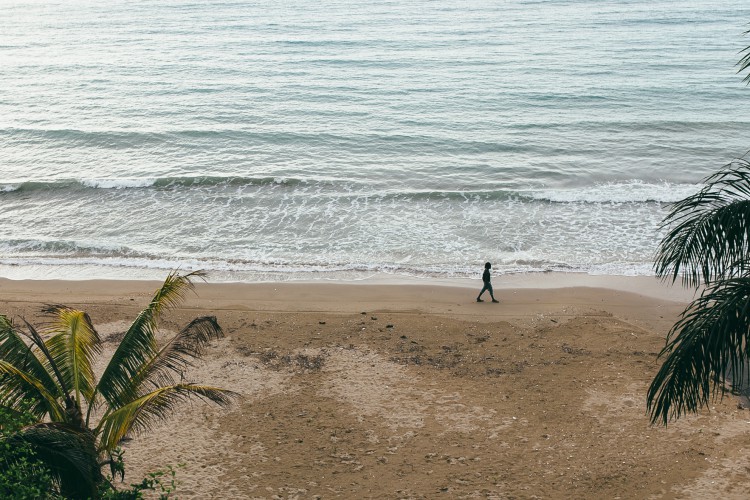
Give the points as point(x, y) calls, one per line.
point(189, 344)
point(195, 337)
point(705, 348)
point(744, 62)
point(54, 308)
point(142, 414)
point(119, 383)
point(706, 234)
point(167, 366)
point(175, 287)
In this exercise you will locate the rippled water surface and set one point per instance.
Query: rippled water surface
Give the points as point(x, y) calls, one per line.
point(338, 139)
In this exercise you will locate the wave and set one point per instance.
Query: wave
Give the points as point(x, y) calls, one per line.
point(146, 182)
point(93, 267)
point(68, 248)
point(619, 192)
point(633, 191)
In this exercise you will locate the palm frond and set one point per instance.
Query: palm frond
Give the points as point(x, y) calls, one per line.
point(744, 62)
point(73, 346)
point(46, 358)
point(19, 386)
point(141, 414)
point(708, 233)
point(21, 355)
point(177, 354)
point(138, 346)
point(710, 339)
point(70, 456)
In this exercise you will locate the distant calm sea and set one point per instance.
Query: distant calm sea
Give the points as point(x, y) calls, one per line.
point(276, 140)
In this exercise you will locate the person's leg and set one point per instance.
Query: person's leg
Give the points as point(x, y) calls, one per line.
point(489, 287)
point(479, 297)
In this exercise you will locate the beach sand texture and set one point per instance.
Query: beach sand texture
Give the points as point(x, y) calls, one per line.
point(416, 391)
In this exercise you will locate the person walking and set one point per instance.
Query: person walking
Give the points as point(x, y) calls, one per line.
point(487, 285)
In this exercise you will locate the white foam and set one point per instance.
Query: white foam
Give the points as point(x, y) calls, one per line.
point(634, 191)
point(118, 183)
point(122, 267)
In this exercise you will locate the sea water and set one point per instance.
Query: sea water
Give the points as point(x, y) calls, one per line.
point(283, 140)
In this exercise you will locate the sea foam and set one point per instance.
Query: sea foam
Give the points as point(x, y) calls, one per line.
point(634, 191)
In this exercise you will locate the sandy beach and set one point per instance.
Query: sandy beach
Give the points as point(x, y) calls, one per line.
point(416, 391)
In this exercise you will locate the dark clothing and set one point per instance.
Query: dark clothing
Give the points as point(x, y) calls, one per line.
point(487, 285)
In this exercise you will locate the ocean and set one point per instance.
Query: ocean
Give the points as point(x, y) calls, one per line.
point(340, 140)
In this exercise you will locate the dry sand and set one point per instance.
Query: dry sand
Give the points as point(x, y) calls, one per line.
point(417, 391)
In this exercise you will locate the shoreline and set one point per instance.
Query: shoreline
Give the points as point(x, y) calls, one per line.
point(645, 301)
point(83, 271)
point(645, 285)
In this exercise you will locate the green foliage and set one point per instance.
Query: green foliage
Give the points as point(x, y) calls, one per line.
point(708, 244)
point(162, 482)
point(49, 375)
point(13, 420)
point(708, 233)
point(22, 475)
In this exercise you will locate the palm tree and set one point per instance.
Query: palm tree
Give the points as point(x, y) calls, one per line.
point(707, 244)
point(82, 420)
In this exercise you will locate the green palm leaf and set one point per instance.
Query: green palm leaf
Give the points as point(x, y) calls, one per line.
point(177, 354)
point(73, 346)
point(141, 414)
point(18, 386)
point(15, 351)
point(138, 346)
point(138, 385)
point(711, 338)
point(69, 454)
point(744, 62)
point(708, 234)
